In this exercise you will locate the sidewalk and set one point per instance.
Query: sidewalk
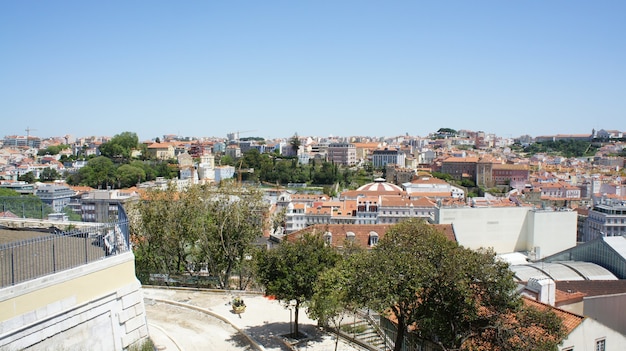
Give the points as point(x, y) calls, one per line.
point(264, 321)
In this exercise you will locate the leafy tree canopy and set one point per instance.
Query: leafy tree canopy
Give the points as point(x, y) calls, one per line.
point(98, 173)
point(565, 148)
point(448, 131)
point(443, 176)
point(8, 192)
point(290, 271)
point(210, 227)
point(27, 177)
point(448, 294)
point(120, 146)
point(130, 175)
point(48, 174)
point(52, 150)
point(295, 143)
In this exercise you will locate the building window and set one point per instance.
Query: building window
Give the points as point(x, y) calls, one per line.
point(328, 238)
point(373, 239)
point(350, 236)
point(601, 345)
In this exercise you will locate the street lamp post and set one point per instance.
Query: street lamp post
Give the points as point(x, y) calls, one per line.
point(291, 307)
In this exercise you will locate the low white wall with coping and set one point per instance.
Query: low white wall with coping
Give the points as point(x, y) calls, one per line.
point(97, 306)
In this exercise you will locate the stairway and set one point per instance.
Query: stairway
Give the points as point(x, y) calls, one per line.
point(361, 329)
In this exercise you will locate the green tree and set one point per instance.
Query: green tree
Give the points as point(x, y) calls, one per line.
point(443, 176)
point(226, 242)
point(48, 174)
point(213, 227)
point(52, 150)
point(99, 172)
point(566, 148)
point(468, 183)
point(120, 146)
point(447, 131)
point(71, 215)
point(334, 297)
point(166, 169)
point(27, 177)
point(29, 206)
point(295, 143)
point(290, 271)
point(8, 192)
point(128, 176)
point(150, 172)
point(163, 226)
point(449, 294)
point(226, 160)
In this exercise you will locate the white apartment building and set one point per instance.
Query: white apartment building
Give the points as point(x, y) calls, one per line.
point(342, 154)
point(380, 158)
point(606, 218)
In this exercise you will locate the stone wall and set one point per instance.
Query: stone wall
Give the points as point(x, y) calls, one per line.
point(98, 306)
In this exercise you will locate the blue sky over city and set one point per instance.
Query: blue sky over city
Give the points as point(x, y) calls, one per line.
point(378, 68)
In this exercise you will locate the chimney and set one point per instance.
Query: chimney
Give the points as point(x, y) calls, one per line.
point(544, 287)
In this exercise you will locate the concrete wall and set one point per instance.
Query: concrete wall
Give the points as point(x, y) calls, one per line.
point(98, 306)
point(502, 228)
point(552, 231)
point(607, 309)
point(511, 229)
point(585, 336)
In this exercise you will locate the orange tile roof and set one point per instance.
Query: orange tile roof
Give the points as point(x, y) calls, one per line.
point(397, 201)
point(163, 145)
point(461, 160)
point(81, 188)
point(505, 166)
point(427, 179)
point(361, 232)
point(367, 145)
point(570, 320)
point(433, 195)
point(318, 211)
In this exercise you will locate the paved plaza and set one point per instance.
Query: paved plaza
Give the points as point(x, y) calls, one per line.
point(200, 320)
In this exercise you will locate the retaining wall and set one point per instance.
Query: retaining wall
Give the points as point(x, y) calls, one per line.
point(97, 306)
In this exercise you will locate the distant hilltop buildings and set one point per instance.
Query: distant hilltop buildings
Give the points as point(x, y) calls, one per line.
point(558, 220)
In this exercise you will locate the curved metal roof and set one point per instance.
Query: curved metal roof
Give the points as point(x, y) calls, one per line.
point(523, 272)
point(591, 270)
point(560, 271)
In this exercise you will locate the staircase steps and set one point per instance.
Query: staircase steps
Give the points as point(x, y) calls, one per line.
point(361, 330)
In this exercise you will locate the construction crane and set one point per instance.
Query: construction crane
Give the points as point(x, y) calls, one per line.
point(239, 171)
point(28, 130)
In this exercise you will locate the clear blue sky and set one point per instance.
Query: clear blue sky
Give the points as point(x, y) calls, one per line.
point(379, 68)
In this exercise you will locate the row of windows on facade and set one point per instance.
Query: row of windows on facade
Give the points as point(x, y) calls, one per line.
point(350, 236)
point(607, 220)
point(599, 346)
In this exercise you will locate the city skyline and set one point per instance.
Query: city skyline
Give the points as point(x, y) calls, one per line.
point(312, 68)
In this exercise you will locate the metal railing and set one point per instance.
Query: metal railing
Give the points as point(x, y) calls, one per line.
point(29, 259)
